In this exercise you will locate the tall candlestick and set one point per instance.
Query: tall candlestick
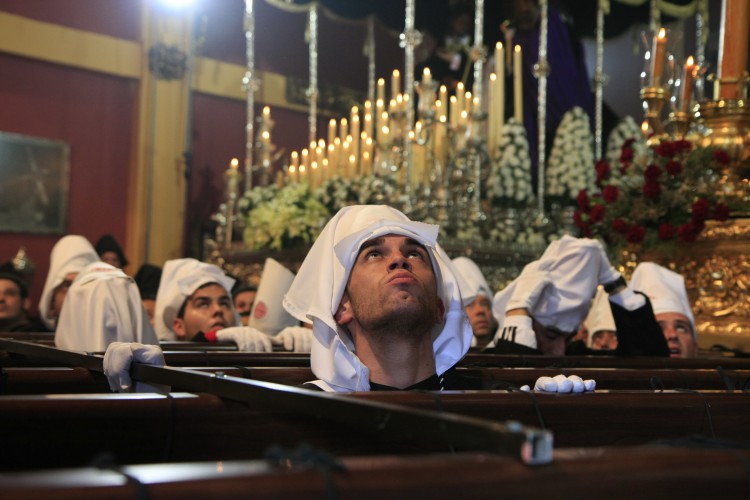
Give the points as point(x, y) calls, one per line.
point(687, 85)
point(517, 84)
point(733, 48)
point(657, 57)
point(499, 87)
point(395, 84)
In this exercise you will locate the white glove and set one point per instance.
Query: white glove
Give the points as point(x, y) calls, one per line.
point(247, 338)
point(294, 338)
point(529, 286)
point(118, 358)
point(518, 329)
point(561, 383)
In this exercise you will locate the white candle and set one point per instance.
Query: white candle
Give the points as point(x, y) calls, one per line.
point(517, 85)
point(395, 84)
point(499, 87)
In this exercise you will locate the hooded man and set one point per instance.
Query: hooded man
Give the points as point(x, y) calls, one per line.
point(666, 290)
point(14, 301)
point(110, 251)
point(68, 257)
point(102, 306)
point(384, 302)
point(479, 310)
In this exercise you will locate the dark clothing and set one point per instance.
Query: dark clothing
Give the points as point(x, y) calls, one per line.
point(449, 381)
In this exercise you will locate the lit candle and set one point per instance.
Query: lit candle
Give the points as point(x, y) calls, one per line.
point(343, 128)
point(395, 84)
point(499, 86)
point(517, 84)
point(331, 130)
point(266, 116)
point(687, 85)
point(657, 57)
point(381, 90)
point(426, 76)
point(733, 48)
point(314, 175)
point(460, 96)
point(295, 159)
point(302, 170)
point(232, 174)
point(453, 114)
point(292, 172)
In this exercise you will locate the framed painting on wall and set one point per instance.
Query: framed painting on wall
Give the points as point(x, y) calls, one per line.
point(34, 176)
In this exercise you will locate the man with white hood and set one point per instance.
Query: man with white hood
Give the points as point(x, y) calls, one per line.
point(384, 302)
point(479, 310)
point(668, 295)
point(69, 256)
point(102, 306)
point(546, 304)
point(194, 303)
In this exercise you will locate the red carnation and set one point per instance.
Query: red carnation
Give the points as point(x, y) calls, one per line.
point(666, 149)
point(722, 157)
point(652, 173)
point(636, 234)
point(610, 194)
point(651, 190)
point(597, 213)
point(673, 168)
point(701, 210)
point(721, 211)
point(666, 231)
point(689, 232)
point(620, 226)
point(602, 171)
point(683, 146)
point(583, 200)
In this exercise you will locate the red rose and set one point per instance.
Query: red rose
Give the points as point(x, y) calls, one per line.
point(683, 146)
point(626, 156)
point(620, 226)
point(722, 157)
point(636, 234)
point(610, 194)
point(583, 200)
point(597, 213)
point(673, 168)
point(701, 210)
point(651, 190)
point(689, 232)
point(602, 171)
point(721, 212)
point(652, 173)
point(666, 231)
point(666, 149)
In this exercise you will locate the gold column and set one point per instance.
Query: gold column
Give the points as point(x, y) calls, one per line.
point(156, 209)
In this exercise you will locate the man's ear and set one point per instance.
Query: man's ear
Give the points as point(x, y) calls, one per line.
point(440, 311)
point(344, 314)
point(178, 327)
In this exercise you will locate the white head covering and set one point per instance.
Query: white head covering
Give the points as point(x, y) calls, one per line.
point(665, 288)
point(179, 280)
point(321, 281)
point(565, 303)
point(69, 255)
point(102, 306)
point(600, 315)
point(268, 314)
point(471, 280)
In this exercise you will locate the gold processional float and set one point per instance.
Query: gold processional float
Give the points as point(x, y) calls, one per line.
point(452, 160)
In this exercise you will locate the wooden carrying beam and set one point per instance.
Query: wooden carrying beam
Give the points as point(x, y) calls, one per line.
point(389, 421)
point(612, 473)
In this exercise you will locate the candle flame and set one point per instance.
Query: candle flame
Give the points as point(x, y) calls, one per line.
point(396, 73)
point(690, 61)
point(295, 154)
point(499, 45)
point(234, 163)
point(381, 81)
point(662, 33)
point(493, 77)
point(301, 169)
point(517, 48)
point(266, 111)
point(292, 169)
point(426, 72)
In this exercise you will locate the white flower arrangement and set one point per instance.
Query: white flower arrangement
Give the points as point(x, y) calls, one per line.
point(571, 162)
point(292, 217)
point(339, 192)
point(626, 129)
point(509, 181)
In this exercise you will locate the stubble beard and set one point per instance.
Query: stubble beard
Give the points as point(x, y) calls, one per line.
point(398, 318)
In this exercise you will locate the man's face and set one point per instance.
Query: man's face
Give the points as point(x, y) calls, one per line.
point(111, 258)
point(58, 296)
point(11, 301)
point(391, 288)
point(209, 308)
point(679, 334)
point(243, 303)
point(604, 340)
point(480, 316)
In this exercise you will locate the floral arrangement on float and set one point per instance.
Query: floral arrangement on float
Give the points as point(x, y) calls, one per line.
point(571, 160)
point(654, 196)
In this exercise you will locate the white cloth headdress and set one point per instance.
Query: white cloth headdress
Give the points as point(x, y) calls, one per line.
point(321, 281)
point(69, 255)
point(600, 315)
point(103, 305)
point(565, 303)
point(268, 314)
point(471, 281)
point(179, 280)
point(665, 288)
